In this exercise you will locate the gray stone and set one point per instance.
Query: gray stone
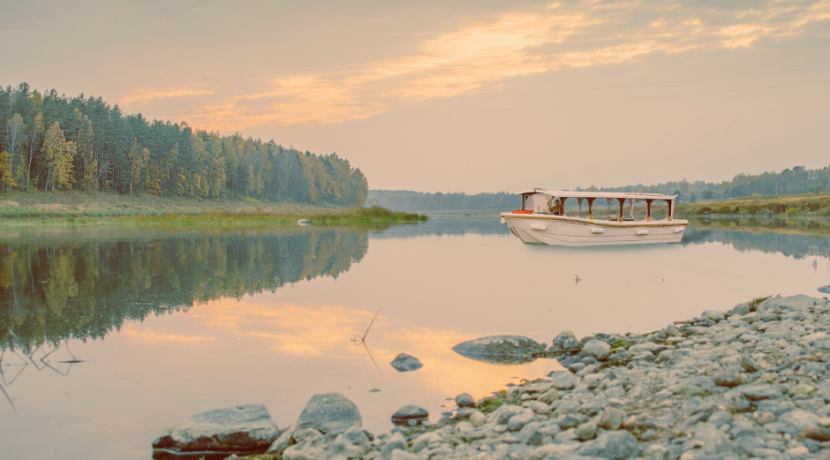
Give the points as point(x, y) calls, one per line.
point(518, 421)
point(613, 445)
point(714, 315)
point(559, 340)
point(406, 363)
point(563, 380)
point(586, 431)
point(572, 344)
point(403, 455)
point(500, 349)
point(728, 378)
point(241, 429)
point(646, 347)
point(800, 419)
point(824, 289)
point(329, 413)
point(410, 415)
point(740, 309)
point(612, 419)
point(465, 400)
point(797, 302)
point(596, 349)
point(395, 442)
point(720, 418)
point(760, 392)
point(713, 439)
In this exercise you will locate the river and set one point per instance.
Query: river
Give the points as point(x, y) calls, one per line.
point(110, 336)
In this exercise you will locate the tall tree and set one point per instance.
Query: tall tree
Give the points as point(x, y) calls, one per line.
point(15, 131)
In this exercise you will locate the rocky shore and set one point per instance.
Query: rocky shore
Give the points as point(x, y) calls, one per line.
point(744, 383)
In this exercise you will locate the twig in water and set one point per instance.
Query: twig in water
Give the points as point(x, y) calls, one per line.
point(362, 339)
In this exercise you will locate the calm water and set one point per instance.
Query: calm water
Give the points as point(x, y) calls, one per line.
point(109, 337)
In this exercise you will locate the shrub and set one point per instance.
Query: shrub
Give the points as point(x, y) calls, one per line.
point(725, 209)
point(703, 210)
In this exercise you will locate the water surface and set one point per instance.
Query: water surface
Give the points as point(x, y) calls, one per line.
point(109, 337)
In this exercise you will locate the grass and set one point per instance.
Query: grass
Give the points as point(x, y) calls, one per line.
point(795, 206)
point(70, 209)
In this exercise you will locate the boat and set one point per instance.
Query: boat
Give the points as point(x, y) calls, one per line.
point(556, 218)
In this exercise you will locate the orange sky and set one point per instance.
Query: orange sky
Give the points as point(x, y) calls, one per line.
point(471, 96)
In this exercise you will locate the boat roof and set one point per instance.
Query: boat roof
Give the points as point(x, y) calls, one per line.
point(587, 194)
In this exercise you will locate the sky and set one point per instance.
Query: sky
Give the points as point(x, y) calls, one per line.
point(462, 96)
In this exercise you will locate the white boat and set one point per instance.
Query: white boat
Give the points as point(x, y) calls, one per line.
point(549, 217)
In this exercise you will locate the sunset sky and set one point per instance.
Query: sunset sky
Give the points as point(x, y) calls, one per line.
point(462, 96)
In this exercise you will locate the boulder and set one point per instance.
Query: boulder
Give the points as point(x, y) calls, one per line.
point(465, 400)
point(239, 429)
point(410, 416)
point(824, 289)
point(799, 302)
point(559, 340)
point(329, 413)
point(500, 349)
point(596, 349)
point(406, 363)
point(563, 380)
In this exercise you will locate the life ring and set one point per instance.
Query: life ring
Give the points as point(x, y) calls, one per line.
point(522, 212)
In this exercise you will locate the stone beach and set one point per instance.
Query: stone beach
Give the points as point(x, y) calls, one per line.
point(750, 382)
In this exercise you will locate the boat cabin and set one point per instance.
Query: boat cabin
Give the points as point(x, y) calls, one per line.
point(555, 202)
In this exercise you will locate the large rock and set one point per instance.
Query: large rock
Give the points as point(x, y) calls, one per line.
point(613, 445)
point(560, 340)
point(239, 429)
point(824, 289)
point(596, 349)
point(405, 363)
point(329, 413)
point(563, 380)
point(799, 302)
point(500, 349)
point(410, 415)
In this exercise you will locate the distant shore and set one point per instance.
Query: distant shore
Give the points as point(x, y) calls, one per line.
point(792, 207)
point(74, 208)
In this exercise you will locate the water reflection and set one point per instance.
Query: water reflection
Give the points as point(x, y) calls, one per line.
point(55, 289)
point(789, 244)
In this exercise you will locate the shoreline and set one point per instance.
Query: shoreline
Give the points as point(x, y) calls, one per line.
point(752, 381)
point(78, 209)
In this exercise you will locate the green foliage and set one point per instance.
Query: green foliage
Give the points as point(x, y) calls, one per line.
point(57, 142)
point(724, 209)
point(490, 404)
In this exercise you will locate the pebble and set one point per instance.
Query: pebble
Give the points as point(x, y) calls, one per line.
point(729, 385)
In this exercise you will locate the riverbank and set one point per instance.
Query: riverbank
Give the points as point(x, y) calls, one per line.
point(798, 206)
point(73, 208)
point(747, 382)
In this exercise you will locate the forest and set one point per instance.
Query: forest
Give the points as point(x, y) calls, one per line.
point(53, 142)
point(796, 181)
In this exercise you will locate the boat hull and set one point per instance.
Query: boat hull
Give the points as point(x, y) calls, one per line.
point(565, 231)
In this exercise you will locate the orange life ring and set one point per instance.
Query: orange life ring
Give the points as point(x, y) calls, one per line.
point(522, 212)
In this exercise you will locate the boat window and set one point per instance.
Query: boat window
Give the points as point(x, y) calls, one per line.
point(538, 203)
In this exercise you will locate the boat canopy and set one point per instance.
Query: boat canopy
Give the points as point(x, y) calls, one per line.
point(552, 202)
point(612, 195)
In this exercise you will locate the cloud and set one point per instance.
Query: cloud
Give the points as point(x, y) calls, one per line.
point(481, 55)
point(143, 96)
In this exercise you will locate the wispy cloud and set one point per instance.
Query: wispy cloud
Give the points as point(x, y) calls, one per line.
point(481, 55)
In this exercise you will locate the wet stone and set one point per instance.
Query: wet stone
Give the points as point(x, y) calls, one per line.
point(406, 363)
point(410, 416)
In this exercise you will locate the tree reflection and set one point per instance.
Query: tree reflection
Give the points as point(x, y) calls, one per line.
point(51, 291)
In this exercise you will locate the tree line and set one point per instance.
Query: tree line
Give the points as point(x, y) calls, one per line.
point(53, 142)
point(796, 181)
